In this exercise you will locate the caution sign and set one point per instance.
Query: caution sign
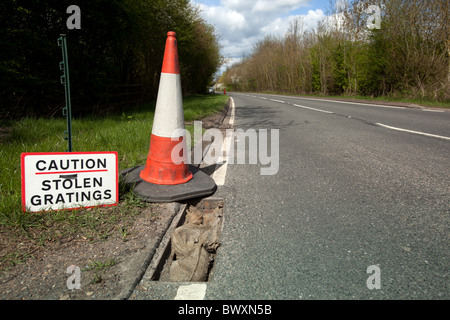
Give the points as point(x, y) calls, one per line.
point(69, 180)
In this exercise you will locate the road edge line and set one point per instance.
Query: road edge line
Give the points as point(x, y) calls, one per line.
point(415, 132)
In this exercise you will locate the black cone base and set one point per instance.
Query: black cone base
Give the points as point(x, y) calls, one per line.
point(201, 185)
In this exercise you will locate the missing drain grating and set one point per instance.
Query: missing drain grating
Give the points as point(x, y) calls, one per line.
point(190, 253)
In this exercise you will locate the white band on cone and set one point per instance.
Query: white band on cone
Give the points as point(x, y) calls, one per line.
point(169, 114)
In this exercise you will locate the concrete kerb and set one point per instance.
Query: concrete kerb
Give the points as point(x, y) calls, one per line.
point(160, 254)
point(143, 265)
point(136, 267)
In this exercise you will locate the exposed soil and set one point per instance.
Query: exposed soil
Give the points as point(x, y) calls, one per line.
point(105, 264)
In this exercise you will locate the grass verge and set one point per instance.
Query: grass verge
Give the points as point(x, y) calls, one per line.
point(127, 133)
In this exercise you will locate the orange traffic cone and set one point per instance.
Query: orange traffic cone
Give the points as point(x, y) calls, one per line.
point(167, 125)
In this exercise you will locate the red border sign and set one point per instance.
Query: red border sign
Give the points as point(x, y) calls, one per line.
point(69, 180)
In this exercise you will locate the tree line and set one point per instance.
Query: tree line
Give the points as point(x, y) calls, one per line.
point(118, 49)
point(407, 57)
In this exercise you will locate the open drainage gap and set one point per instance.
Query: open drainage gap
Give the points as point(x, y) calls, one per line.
point(191, 251)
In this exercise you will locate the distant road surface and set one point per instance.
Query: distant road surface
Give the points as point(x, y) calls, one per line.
point(358, 185)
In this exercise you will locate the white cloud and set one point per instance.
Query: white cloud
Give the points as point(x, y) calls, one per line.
point(278, 5)
point(281, 25)
point(224, 19)
point(242, 23)
point(312, 18)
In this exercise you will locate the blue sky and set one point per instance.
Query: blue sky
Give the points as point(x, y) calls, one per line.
point(242, 23)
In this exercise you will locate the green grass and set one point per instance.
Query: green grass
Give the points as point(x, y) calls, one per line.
point(198, 107)
point(127, 133)
point(99, 267)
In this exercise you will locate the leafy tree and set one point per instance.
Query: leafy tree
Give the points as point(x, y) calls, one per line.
point(408, 57)
point(120, 43)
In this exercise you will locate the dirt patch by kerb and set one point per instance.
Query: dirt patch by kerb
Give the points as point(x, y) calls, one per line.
point(108, 269)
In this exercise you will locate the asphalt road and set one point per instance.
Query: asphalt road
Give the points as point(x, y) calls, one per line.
point(352, 191)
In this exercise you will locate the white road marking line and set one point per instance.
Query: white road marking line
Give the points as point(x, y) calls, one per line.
point(363, 104)
point(221, 169)
point(432, 110)
point(263, 98)
point(194, 291)
point(412, 131)
point(278, 101)
point(232, 112)
point(314, 109)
